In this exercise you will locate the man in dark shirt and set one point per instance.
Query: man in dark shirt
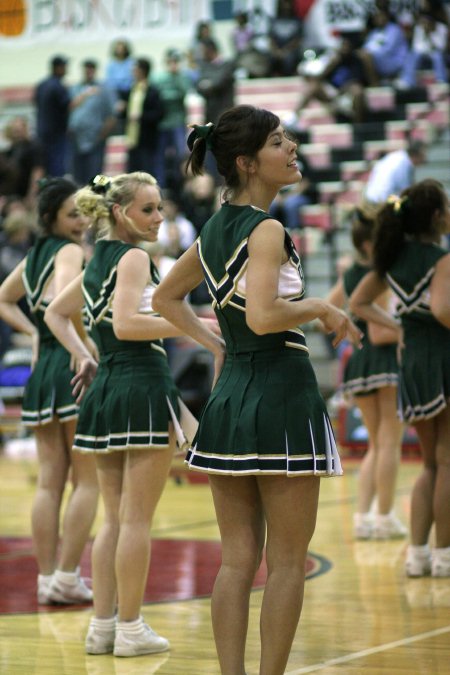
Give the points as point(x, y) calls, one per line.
point(52, 109)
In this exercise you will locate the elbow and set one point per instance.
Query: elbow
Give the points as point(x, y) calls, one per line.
point(120, 330)
point(157, 303)
point(48, 317)
point(258, 325)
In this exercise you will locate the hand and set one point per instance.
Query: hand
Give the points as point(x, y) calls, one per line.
point(336, 321)
point(82, 380)
point(212, 325)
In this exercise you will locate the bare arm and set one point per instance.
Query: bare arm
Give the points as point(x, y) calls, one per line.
point(11, 291)
point(268, 313)
point(132, 276)
point(362, 301)
point(169, 300)
point(58, 317)
point(440, 291)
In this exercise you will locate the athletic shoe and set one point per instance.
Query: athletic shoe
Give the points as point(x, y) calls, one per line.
point(43, 589)
point(134, 638)
point(418, 561)
point(68, 588)
point(388, 527)
point(440, 562)
point(100, 636)
point(362, 525)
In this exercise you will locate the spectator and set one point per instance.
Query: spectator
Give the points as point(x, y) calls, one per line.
point(91, 121)
point(144, 113)
point(203, 31)
point(250, 45)
point(173, 86)
point(119, 77)
point(428, 48)
point(199, 199)
point(15, 240)
point(176, 232)
point(394, 172)
point(342, 80)
point(385, 48)
point(216, 81)
point(52, 100)
point(241, 34)
point(25, 157)
point(285, 38)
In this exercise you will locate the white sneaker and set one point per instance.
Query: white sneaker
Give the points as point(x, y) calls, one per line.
point(440, 562)
point(418, 561)
point(43, 589)
point(100, 636)
point(388, 527)
point(68, 588)
point(362, 525)
point(134, 638)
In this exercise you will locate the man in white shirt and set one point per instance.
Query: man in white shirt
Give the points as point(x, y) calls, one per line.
point(394, 172)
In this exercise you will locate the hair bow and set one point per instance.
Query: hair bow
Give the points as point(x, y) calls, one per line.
point(100, 184)
point(201, 131)
point(397, 203)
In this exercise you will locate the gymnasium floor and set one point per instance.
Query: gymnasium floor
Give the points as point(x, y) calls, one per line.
point(361, 615)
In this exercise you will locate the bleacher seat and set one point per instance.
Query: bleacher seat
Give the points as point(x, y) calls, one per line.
point(336, 135)
point(317, 154)
point(317, 215)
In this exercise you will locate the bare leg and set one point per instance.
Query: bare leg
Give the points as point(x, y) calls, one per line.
point(389, 436)
point(241, 523)
point(145, 474)
point(441, 501)
point(110, 476)
point(366, 483)
point(82, 505)
point(53, 470)
point(290, 506)
point(422, 495)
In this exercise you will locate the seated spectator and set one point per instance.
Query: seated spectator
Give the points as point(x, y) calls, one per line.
point(241, 34)
point(428, 49)
point(119, 77)
point(394, 172)
point(287, 205)
point(176, 232)
point(203, 31)
point(285, 35)
point(341, 84)
point(385, 48)
point(199, 199)
point(25, 157)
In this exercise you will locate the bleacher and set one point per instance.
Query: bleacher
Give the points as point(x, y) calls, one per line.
point(340, 155)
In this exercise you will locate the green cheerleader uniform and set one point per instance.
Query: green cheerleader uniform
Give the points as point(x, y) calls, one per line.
point(265, 414)
point(372, 366)
point(424, 375)
point(133, 397)
point(48, 392)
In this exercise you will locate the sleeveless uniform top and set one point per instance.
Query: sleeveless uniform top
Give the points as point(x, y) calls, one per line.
point(133, 397)
point(48, 391)
point(372, 366)
point(425, 361)
point(265, 414)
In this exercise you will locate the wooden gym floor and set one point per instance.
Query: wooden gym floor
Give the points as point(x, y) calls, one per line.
point(361, 615)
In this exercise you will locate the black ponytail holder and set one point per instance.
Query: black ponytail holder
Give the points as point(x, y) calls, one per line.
point(100, 184)
point(203, 132)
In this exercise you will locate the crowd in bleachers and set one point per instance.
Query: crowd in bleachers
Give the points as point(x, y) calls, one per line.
point(148, 110)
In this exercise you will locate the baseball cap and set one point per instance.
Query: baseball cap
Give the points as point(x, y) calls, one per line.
point(90, 63)
point(173, 55)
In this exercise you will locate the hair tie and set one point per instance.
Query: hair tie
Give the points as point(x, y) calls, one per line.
point(100, 184)
point(397, 203)
point(203, 131)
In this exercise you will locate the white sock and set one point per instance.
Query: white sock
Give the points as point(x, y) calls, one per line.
point(104, 624)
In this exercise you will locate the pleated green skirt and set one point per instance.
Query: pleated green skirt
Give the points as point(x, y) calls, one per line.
point(129, 404)
point(48, 392)
point(370, 368)
point(424, 377)
point(265, 416)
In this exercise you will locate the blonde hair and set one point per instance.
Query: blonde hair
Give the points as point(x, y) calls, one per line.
point(96, 201)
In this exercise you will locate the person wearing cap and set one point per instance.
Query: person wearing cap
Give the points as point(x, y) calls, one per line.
point(173, 85)
point(91, 121)
point(51, 99)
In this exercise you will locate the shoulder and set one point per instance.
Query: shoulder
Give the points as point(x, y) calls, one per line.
point(134, 257)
